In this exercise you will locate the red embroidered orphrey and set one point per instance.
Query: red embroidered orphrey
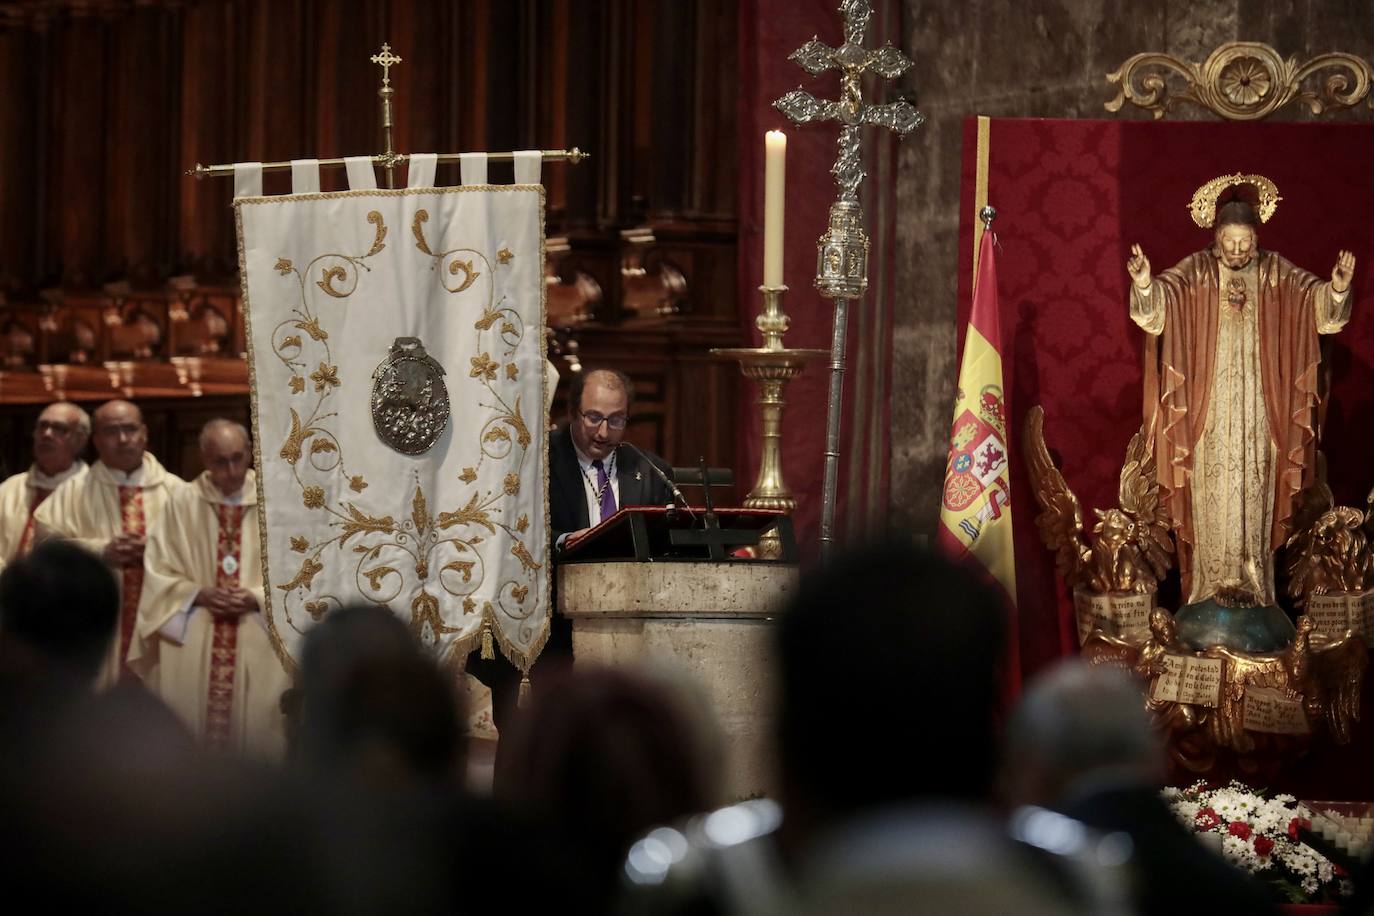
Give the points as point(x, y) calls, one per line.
point(26, 539)
point(219, 697)
point(132, 521)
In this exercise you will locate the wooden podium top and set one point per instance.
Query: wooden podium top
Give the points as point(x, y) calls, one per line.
point(660, 533)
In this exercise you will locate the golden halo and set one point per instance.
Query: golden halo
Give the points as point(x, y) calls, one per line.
point(1203, 206)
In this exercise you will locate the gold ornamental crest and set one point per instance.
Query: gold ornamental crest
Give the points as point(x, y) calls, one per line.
point(409, 398)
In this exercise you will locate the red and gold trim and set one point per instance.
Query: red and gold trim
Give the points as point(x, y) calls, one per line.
point(219, 697)
point(26, 539)
point(134, 521)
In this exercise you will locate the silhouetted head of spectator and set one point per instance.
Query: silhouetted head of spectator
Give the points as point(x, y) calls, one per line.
point(373, 706)
point(890, 659)
point(604, 755)
point(1079, 726)
point(58, 608)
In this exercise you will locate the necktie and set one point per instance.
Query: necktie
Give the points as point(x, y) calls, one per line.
point(603, 486)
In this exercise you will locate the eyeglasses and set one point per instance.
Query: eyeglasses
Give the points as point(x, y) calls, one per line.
point(52, 426)
point(591, 419)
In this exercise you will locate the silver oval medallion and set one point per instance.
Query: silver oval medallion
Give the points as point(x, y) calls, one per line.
point(409, 398)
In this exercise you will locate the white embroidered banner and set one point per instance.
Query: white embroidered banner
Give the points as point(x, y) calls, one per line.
point(396, 348)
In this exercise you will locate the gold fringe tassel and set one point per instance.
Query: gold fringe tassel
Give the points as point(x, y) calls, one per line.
point(488, 650)
point(522, 699)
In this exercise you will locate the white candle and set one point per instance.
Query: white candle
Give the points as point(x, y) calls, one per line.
point(774, 188)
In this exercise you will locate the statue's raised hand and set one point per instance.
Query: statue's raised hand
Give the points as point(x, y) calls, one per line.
point(1138, 266)
point(1343, 271)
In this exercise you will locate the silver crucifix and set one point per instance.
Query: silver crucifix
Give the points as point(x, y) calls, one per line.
point(842, 252)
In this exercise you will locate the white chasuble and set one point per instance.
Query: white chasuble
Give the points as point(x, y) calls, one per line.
point(20, 497)
point(220, 675)
point(93, 507)
point(396, 344)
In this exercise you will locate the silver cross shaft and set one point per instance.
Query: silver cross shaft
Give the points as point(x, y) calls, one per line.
point(842, 252)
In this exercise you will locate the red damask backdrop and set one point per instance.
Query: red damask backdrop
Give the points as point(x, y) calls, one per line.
point(1072, 196)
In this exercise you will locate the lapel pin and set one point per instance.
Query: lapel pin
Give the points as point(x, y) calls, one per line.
point(638, 476)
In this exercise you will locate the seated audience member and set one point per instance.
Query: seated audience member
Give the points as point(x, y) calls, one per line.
point(601, 756)
point(888, 688)
point(379, 736)
point(374, 708)
point(1080, 741)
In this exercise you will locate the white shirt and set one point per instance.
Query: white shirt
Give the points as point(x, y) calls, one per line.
point(584, 466)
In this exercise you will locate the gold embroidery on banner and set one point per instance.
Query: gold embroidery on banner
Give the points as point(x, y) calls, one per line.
point(375, 218)
point(504, 255)
point(325, 377)
point(340, 280)
point(308, 571)
point(312, 327)
point(469, 275)
point(300, 544)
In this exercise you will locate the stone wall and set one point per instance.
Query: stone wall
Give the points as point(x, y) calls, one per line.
point(1033, 58)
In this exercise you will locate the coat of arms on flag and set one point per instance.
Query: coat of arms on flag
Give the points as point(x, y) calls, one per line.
point(976, 475)
point(975, 506)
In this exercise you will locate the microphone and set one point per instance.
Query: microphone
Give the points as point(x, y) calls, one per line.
point(677, 494)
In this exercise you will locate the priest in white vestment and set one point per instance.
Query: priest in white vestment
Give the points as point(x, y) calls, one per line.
point(58, 438)
point(111, 509)
point(201, 642)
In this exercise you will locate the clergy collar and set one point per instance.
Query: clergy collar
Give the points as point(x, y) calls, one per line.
point(246, 496)
point(133, 478)
point(45, 482)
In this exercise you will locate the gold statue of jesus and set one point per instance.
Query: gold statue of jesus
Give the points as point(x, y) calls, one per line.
point(1231, 389)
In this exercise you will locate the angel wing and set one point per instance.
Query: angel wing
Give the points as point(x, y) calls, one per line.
point(1140, 498)
point(1060, 521)
point(1301, 559)
point(1337, 674)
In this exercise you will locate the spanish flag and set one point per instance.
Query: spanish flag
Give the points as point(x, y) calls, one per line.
point(975, 507)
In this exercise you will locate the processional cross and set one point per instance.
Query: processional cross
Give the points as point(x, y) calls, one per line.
point(842, 252)
point(389, 158)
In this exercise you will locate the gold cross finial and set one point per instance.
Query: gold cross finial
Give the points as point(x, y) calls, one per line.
point(386, 60)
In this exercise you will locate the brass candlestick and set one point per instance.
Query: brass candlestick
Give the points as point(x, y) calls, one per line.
point(772, 366)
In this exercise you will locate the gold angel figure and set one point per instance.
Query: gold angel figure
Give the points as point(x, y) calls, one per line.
point(1329, 550)
point(1132, 548)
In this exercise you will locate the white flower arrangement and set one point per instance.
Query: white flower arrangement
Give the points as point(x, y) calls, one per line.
point(1257, 834)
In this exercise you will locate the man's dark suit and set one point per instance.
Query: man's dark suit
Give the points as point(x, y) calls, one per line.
point(639, 486)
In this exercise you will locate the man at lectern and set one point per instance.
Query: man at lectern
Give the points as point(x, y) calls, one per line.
point(592, 474)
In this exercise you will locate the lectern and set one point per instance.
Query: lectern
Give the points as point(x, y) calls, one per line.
point(677, 588)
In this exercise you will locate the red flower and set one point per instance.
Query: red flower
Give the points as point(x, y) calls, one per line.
point(1296, 824)
point(1239, 829)
point(1206, 819)
point(1263, 846)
